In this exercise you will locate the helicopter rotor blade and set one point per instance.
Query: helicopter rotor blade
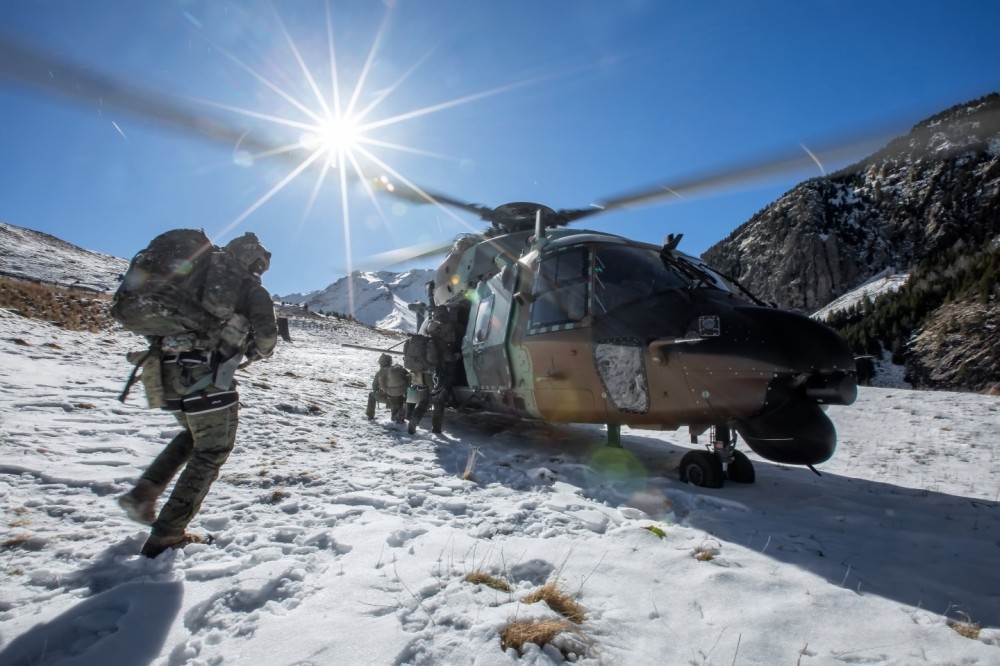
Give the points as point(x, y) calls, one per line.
point(30, 68)
point(781, 164)
point(400, 255)
point(421, 195)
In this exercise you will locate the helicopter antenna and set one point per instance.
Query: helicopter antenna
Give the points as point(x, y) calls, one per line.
point(539, 227)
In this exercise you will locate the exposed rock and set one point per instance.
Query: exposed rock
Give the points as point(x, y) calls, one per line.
point(919, 195)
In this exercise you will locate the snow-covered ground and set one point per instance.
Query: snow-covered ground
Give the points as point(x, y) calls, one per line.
point(885, 282)
point(344, 541)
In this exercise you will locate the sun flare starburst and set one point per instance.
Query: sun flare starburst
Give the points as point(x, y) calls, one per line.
point(334, 133)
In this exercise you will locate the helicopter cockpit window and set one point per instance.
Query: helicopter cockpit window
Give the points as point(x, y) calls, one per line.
point(623, 275)
point(560, 289)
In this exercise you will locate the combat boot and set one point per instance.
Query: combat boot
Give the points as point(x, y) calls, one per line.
point(140, 502)
point(156, 544)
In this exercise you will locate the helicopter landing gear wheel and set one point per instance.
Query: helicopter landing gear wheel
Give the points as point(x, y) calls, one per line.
point(701, 468)
point(741, 470)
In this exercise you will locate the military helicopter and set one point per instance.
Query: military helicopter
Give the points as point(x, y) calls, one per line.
point(576, 326)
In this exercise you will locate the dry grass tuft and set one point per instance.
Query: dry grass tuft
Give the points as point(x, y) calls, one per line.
point(15, 541)
point(706, 552)
point(482, 578)
point(72, 309)
point(540, 632)
point(559, 601)
point(967, 629)
point(470, 464)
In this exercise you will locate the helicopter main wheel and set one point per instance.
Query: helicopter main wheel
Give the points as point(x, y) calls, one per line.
point(701, 468)
point(741, 470)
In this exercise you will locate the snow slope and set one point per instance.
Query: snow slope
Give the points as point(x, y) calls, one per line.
point(344, 541)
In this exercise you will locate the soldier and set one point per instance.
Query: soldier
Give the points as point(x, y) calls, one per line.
point(442, 355)
point(201, 392)
point(389, 386)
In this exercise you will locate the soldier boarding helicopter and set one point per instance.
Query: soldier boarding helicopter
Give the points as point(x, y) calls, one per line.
point(576, 326)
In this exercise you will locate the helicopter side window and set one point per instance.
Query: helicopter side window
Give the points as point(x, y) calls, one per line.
point(560, 289)
point(623, 275)
point(483, 318)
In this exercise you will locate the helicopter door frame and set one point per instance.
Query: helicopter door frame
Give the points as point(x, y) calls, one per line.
point(487, 333)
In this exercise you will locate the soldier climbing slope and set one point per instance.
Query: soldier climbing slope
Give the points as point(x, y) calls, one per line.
point(190, 374)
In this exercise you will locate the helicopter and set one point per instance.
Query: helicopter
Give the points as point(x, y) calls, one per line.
point(568, 325)
point(575, 326)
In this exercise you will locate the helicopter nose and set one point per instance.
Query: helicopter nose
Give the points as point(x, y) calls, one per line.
point(819, 370)
point(817, 361)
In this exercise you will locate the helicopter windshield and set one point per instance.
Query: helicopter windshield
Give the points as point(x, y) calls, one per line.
point(623, 275)
point(561, 288)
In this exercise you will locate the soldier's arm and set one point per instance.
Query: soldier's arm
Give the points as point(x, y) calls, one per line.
point(260, 312)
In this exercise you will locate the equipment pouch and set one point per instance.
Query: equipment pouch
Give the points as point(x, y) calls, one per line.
point(235, 332)
point(152, 380)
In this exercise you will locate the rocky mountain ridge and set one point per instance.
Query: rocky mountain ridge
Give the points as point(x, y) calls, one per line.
point(920, 194)
point(934, 191)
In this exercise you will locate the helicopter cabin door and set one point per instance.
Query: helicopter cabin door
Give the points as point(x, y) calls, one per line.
point(488, 332)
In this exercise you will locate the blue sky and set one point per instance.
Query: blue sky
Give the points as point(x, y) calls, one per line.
point(564, 103)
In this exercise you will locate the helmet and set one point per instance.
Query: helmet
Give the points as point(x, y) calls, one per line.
point(249, 253)
point(385, 360)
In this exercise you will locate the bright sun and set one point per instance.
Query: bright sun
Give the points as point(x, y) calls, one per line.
point(337, 137)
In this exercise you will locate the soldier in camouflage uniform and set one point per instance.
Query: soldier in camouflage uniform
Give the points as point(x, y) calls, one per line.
point(389, 386)
point(209, 414)
point(443, 357)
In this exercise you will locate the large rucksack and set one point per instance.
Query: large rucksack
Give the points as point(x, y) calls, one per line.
point(419, 353)
point(179, 283)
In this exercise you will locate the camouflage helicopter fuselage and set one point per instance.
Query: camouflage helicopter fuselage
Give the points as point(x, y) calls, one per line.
point(587, 327)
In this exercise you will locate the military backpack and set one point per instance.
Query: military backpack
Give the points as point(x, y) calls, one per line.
point(180, 283)
point(419, 353)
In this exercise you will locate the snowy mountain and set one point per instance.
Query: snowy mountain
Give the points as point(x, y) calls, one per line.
point(39, 257)
point(378, 299)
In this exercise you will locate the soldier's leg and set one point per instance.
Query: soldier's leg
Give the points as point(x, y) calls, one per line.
point(418, 413)
point(370, 410)
point(214, 436)
point(439, 398)
point(396, 407)
point(140, 502)
point(437, 416)
point(173, 456)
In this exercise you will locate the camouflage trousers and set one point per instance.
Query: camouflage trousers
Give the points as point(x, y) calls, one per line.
point(396, 404)
point(198, 453)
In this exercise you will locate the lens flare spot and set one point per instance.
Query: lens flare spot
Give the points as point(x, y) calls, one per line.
point(619, 466)
point(242, 158)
